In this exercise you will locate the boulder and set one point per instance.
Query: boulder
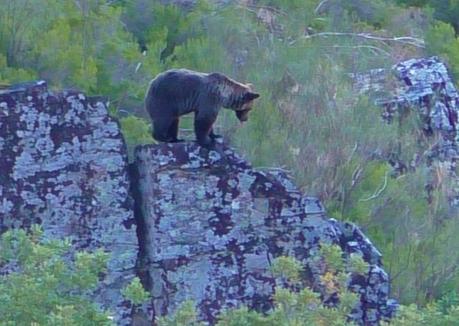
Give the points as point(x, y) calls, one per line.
point(210, 226)
point(423, 87)
point(64, 165)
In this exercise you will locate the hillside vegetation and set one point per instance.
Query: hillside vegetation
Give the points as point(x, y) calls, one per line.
point(309, 121)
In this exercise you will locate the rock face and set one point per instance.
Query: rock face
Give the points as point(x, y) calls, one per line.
point(210, 226)
point(63, 165)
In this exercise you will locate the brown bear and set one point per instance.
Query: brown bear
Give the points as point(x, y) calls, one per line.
point(176, 92)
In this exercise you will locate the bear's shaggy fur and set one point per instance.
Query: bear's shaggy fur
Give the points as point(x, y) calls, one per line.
point(176, 92)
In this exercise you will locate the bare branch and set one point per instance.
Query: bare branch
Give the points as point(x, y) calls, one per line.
point(354, 150)
point(269, 8)
point(370, 47)
point(138, 67)
point(356, 175)
point(408, 40)
point(269, 168)
point(319, 6)
point(377, 193)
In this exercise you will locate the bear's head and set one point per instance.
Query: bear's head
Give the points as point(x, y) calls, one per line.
point(234, 95)
point(242, 113)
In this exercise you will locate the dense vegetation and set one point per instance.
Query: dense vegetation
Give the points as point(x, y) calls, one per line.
point(49, 284)
point(309, 120)
point(42, 287)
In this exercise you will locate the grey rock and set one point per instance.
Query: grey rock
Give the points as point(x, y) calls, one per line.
point(422, 86)
point(63, 165)
point(210, 226)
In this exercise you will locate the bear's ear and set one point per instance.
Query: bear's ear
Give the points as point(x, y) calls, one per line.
point(250, 96)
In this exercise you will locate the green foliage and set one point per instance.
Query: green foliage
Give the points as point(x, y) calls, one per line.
point(287, 268)
point(71, 44)
point(441, 40)
point(445, 10)
point(303, 307)
point(135, 292)
point(10, 75)
point(410, 232)
point(357, 265)
point(184, 316)
point(333, 256)
point(448, 301)
point(194, 54)
point(43, 288)
point(135, 131)
point(430, 316)
point(242, 317)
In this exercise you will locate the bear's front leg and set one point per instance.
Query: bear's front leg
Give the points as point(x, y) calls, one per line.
point(214, 135)
point(202, 129)
point(173, 132)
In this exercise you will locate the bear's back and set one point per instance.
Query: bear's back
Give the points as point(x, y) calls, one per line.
point(178, 84)
point(180, 78)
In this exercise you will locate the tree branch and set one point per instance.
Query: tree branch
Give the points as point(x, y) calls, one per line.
point(319, 6)
point(377, 193)
point(408, 40)
point(369, 47)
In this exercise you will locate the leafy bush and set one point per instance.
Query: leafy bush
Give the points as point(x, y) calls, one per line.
point(185, 316)
point(43, 287)
point(441, 40)
point(292, 308)
point(135, 131)
point(429, 316)
point(446, 11)
point(306, 308)
point(135, 292)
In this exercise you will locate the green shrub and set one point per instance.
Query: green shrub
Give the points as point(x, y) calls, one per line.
point(136, 131)
point(135, 292)
point(43, 288)
point(304, 307)
point(184, 316)
point(441, 40)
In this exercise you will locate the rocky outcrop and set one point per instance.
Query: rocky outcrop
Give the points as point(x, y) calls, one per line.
point(206, 225)
point(423, 87)
point(63, 165)
point(211, 226)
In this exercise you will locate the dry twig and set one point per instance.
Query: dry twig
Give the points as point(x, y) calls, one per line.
point(377, 193)
point(408, 40)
